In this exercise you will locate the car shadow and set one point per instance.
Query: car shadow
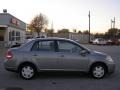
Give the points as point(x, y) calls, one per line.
point(62, 75)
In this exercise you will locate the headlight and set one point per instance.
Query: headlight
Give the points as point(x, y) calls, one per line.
point(108, 58)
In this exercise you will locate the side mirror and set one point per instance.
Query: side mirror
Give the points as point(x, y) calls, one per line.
point(83, 53)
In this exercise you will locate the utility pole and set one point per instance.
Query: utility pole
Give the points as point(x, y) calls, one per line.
point(89, 26)
point(52, 29)
point(52, 26)
point(113, 27)
point(113, 23)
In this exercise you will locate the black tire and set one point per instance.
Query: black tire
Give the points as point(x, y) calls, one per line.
point(27, 71)
point(98, 71)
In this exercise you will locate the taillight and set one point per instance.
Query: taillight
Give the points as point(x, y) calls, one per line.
point(9, 55)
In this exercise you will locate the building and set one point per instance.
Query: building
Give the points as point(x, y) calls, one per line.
point(12, 30)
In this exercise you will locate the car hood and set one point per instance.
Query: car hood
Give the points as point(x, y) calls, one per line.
point(98, 55)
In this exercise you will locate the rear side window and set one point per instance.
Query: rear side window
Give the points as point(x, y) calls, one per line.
point(43, 46)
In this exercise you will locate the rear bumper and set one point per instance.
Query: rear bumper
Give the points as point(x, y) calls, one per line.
point(11, 70)
point(10, 66)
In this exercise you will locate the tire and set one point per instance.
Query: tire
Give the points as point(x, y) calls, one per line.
point(98, 71)
point(27, 71)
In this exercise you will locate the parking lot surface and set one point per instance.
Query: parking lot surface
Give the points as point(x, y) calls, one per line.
point(63, 81)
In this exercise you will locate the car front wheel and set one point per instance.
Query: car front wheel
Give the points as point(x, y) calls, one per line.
point(98, 71)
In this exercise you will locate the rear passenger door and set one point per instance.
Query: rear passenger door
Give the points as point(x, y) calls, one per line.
point(44, 54)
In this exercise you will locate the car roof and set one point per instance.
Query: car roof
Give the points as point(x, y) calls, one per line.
point(53, 38)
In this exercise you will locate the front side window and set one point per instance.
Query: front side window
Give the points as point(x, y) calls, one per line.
point(64, 46)
point(43, 46)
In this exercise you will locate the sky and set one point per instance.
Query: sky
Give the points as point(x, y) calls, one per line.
point(70, 14)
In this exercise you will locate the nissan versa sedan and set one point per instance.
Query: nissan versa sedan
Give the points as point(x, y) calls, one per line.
point(57, 54)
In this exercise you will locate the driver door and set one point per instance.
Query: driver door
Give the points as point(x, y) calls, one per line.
point(70, 57)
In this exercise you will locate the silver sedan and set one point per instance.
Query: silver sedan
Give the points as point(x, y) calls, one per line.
point(57, 54)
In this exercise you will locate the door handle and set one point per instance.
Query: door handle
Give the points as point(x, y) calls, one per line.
point(61, 55)
point(35, 55)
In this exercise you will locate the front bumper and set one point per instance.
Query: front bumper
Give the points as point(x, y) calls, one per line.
point(111, 67)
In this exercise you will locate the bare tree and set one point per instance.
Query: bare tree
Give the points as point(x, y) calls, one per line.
point(38, 23)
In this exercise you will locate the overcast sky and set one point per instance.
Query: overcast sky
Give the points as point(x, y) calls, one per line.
point(71, 14)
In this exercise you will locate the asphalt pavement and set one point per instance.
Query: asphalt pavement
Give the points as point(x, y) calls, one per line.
point(63, 81)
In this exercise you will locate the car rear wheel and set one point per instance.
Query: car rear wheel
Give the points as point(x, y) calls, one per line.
point(27, 71)
point(98, 71)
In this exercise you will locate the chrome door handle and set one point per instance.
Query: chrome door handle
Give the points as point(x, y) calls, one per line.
point(35, 55)
point(61, 55)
